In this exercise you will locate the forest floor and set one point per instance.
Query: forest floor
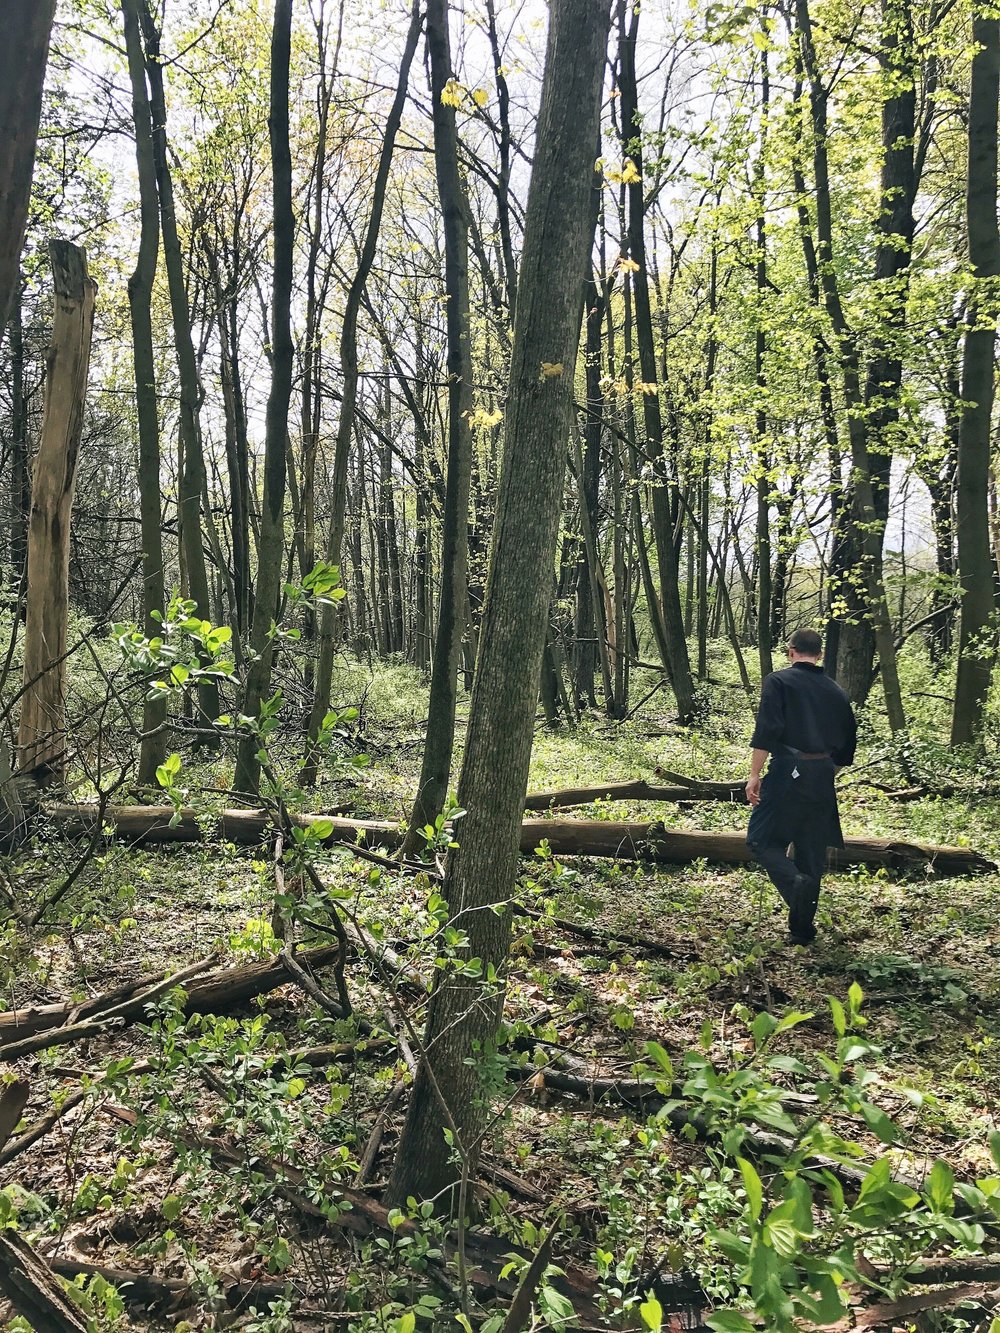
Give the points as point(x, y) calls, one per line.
point(126, 1178)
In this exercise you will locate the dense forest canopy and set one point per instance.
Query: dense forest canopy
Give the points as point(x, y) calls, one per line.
point(424, 427)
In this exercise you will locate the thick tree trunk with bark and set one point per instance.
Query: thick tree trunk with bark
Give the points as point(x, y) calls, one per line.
point(24, 54)
point(448, 1092)
point(42, 729)
point(977, 628)
point(270, 555)
point(140, 295)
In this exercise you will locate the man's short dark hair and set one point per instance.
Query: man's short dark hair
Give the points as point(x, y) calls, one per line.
point(807, 642)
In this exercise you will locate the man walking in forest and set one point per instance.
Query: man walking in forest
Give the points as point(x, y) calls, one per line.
point(806, 724)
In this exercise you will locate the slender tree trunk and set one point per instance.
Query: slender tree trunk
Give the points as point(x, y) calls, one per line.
point(464, 1013)
point(24, 54)
point(764, 481)
point(41, 738)
point(870, 527)
point(977, 627)
point(140, 296)
point(349, 394)
point(435, 770)
point(675, 659)
point(192, 477)
point(272, 523)
point(20, 473)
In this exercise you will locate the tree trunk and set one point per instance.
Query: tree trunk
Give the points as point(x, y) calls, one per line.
point(765, 484)
point(464, 1012)
point(870, 527)
point(192, 478)
point(270, 554)
point(977, 628)
point(675, 658)
point(435, 770)
point(140, 295)
point(24, 54)
point(349, 395)
point(20, 472)
point(41, 733)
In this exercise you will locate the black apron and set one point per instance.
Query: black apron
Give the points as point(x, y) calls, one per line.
point(795, 790)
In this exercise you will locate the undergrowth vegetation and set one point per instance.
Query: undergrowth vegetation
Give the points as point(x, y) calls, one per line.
point(695, 1125)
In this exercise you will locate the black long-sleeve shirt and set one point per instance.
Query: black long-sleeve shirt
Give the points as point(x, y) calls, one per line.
point(801, 708)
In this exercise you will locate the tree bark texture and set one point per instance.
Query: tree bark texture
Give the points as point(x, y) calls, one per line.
point(435, 769)
point(24, 54)
point(558, 234)
point(34, 1290)
point(977, 628)
point(140, 295)
point(270, 555)
point(41, 732)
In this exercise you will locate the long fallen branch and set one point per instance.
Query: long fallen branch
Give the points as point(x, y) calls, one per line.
point(224, 989)
point(627, 841)
point(639, 790)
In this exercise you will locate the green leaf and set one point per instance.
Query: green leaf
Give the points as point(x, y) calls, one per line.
point(876, 1179)
point(651, 1313)
point(729, 1321)
point(656, 1053)
point(406, 1323)
point(753, 1186)
point(172, 1207)
point(941, 1187)
point(296, 1086)
point(855, 998)
point(792, 1020)
point(878, 1122)
point(763, 1026)
point(994, 1141)
point(839, 1017)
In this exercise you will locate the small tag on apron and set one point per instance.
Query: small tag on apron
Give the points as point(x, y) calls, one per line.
point(795, 772)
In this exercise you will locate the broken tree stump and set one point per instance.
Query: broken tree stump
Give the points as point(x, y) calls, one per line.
point(627, 841)
point(41, 742)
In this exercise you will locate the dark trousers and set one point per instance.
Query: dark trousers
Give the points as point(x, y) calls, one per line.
point(798, 805)
point(809, 860)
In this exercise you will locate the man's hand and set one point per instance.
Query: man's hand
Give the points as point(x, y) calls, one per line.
point(753, 790)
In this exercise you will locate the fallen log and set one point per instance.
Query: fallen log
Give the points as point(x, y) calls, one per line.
point(72, 1031)
point(34, 1290)
point(166, 1294)
point(224, 989)
point(627, 841)
point(639, 790)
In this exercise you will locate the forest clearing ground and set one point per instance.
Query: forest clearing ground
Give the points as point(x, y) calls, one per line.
point(923, 950)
